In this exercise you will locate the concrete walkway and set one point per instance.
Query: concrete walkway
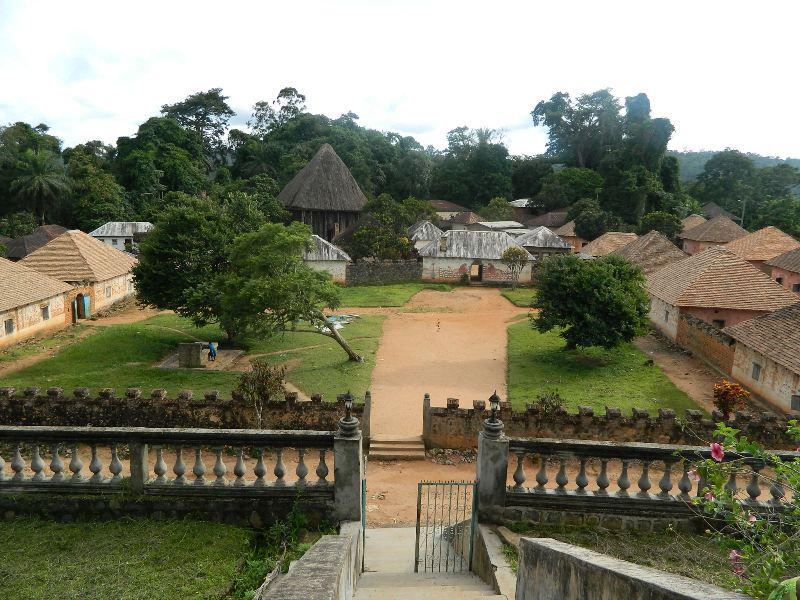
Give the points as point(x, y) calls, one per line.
point(389, 572)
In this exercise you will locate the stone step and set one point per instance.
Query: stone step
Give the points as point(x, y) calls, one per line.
point(386, 454)
point(385, 448)
point(431, 586)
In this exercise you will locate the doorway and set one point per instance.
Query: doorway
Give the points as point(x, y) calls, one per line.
point(476, 271)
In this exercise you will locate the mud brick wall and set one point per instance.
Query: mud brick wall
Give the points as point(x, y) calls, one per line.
point(378, 272)
point(458, 428)
point(706, 341)
point(133, 409)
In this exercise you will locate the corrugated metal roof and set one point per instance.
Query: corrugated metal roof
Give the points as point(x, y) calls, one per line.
point(521, 203)
point(470, 244)
point(501, 224)
point(424, 231)
point(542, 237)
point(122, 229)
point(324, 250)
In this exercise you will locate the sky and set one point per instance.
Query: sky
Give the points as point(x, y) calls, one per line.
point(724, 72)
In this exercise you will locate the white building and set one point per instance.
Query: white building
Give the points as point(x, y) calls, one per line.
point(326, 257)
point(422, 232)
point(120, 234)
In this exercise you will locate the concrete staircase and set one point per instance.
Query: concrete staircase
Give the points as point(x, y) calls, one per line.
point(387, 448)
point(389, 573)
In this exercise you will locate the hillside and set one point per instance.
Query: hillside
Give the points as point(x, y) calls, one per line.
point(691, 163)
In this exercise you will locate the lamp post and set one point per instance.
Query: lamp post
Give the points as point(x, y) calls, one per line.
point(493, 427)
point(348, 425)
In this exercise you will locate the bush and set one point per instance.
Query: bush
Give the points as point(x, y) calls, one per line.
point(550, 402)
point(259, 385)
point(729, 397)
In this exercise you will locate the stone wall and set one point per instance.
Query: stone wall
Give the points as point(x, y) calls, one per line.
point(455, 427)
point(379, 272)
point(133, 409)
point(706, 341)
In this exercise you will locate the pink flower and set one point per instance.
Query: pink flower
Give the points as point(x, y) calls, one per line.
point(739, 570)
point(709, 495)
point(734, 556)
point(693, 475)
point(717, 452)
point(751, 518)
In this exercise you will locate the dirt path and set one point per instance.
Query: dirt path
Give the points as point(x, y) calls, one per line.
point(446, 344)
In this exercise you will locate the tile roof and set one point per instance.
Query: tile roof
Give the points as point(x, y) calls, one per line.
point(447, 206)
point(77, 256)
point(607, 243)
point(763, 244)
point(22, 286)
point(471, 244)
point(465, 218)
point(541, 237)
point(324, 250)
point(719, 230)
point(651, 252)
point(788, 260)
point(554, 218)
point(717, 278)
point(121, 229)
point(567, 229)
point(691, 221)
point(712, 209)
point(424, 231)
point(25, 244)
point(776, 336)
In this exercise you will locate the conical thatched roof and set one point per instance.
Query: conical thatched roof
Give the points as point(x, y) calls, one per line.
point(651, 252)
point(325, 183)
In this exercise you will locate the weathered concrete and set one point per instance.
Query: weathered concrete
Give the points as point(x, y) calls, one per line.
point(492, 466)
point(190, 355)
point(348, 471)
point(490, 565)
point(553, 570)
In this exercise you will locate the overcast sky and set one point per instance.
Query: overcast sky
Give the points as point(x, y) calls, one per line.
point(725, 72)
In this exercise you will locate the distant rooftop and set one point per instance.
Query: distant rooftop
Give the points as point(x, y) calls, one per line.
point(521, 203)
point(461, 243)
point(763, 244)
point(608, 242)
point(122, 229)
point(447, 206)
point(324, 250)
point(554, 218)
point(651, 252)
point(719, 230)
point(542, 237)
point(501, 224)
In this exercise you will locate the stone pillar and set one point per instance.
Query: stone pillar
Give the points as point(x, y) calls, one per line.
point(348, 469)
point(426, 420)
point(367, 414)
point(140, 467)
point(492, 466)
point(190, 355)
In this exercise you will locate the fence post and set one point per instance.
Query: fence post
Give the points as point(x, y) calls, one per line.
point(426, 419)
point(492, 464)
point(367, 414)
point(347, 466)
point(140, 467)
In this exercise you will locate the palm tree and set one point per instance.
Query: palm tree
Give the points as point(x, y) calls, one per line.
point(41, 181)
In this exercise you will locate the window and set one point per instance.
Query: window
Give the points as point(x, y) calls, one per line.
point(779, 279)
point(796, 402)
point(9, 326)
point(718, 323)
point(666, 316)
point(756, 371)
point(114, 242)
point(45, 312)
point(796, 288)
point(108, 291)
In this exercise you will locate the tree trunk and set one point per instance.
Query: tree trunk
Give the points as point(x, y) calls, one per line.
point(340, 340)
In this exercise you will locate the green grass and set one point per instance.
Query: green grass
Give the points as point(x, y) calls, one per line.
point(690, 555)
point(538, 363)
point(124, 560)
point(36, 345)
point(396, 294)
point(519, 297)
point(122, 356)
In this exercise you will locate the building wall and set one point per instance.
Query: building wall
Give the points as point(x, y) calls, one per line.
point(693, 247)
point(706, 342)
point(326, 223)
point(789, 279)
point(29, 321)
point(121, 241)
point(111, 291)
point(336, 268)
point(664, 317)
point(731, 317)
point(576, 242)
point(776, 384)
point(542, 253)
point(451, 269)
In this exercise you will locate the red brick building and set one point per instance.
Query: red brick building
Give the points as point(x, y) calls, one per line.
point(786, 270)
point(763, 245)
point(715, 232)
point(567, 233)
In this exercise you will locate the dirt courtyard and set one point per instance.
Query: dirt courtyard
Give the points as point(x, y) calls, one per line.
point(447, 344)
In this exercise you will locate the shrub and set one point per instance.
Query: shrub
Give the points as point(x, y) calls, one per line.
point(729, 397)
point(259, 385)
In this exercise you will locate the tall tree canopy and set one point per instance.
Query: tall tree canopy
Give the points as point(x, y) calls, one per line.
point(207, 114)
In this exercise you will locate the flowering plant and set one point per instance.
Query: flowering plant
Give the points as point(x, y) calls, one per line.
point(729, 397)
point(763, 536)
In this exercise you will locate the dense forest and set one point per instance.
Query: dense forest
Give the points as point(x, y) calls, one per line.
point(692, 163)
point(606, 162)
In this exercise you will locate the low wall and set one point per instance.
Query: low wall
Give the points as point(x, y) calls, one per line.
point(553, 570)
point(378, 272)
point(133, 409)
point(706, 341)
point(458, 428)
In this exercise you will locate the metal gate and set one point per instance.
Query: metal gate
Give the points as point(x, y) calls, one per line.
point(445, 526)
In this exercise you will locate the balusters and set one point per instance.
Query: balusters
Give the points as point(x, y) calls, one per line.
point(116, 466)
point(160, 468)
point(199, 469)
point(75, 465)
point(644, 480)
point(541, 475)
point(2, 469)
point(179, 468)
point(519, 472)
point(776, 491)
point(665, 483)
point(302, 470)
point(37, 465)
point(582, 480)
point(260, 469)
point(17, 465)
point(561, 477)
point(731, 486)
point(622, 481)
point(602, 478)
point(239, 469)
point(685, 484)
point(95, 467)
point(753, 488)
point(219, 468)
point(322, 469)
point(280, 469)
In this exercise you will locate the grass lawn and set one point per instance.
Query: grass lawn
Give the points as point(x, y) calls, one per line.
point(396, 294)
point(125, 560)
point(538, 363)
point(40, 344)
point(520, 297)
point(690, 555)
point(122, 356)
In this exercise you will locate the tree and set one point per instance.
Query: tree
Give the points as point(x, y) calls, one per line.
point(783, 213)
point(527, 175)
point(498, 209)
point(262, 382)
point(567, 186)
point(727, 179)
point(515, 258)
point(266, 287)
point(41, 183)
point(384, 235)
point(96, 196)
point(289, 104)
point(207, 114)
point(17, 224)
point(591, 221)
point(663, 222)
point(600, 302)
